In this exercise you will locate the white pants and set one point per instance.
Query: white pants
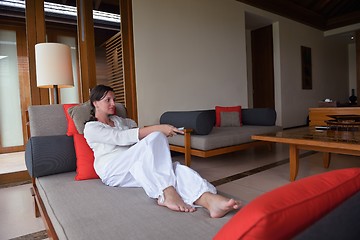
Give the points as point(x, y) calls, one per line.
point(148, 164)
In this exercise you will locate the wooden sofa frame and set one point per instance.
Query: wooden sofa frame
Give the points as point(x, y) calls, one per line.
point(188, 151)
point(40, 211)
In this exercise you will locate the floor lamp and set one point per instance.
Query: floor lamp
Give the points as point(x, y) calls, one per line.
point(53, 67)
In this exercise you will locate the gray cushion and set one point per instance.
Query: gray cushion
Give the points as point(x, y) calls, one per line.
point(230, 119)
point(258, 116)
point(46, 120)
point(201, 121)
point(81, 113)
point(46, 155)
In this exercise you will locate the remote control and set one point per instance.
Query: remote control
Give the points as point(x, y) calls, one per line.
point(322, 128)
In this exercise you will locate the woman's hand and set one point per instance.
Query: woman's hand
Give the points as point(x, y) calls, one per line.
point(170, 130)
point(166, 129)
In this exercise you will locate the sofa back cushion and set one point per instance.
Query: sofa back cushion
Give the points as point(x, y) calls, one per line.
point(225, 121)
point(201, 122)
point(47, 120)
point(81, 114)
point(259, 116)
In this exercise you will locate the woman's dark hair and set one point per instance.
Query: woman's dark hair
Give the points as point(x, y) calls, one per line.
point(96, 94)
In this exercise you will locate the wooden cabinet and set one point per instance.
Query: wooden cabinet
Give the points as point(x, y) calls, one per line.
point(318, 116)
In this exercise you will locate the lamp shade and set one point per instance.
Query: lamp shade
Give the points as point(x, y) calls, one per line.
point(53, 65)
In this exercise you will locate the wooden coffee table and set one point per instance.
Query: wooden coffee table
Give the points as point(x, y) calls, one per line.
point(326, 141)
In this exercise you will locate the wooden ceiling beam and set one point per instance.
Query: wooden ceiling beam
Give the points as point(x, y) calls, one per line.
point(290, 10)
point(323, 15)
point(343, 20)
point(333, 7)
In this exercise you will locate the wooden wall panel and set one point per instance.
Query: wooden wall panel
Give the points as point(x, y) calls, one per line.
point(128, 56)
point(357, 39)
point(86, 47)
point(35, 32)
point(114, 60)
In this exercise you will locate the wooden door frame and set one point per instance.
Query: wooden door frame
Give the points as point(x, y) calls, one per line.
point(128, 56)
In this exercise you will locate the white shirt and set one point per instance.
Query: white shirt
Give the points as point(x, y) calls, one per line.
point(108, 142)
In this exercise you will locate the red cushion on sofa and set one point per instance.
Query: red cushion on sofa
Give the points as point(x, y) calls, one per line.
point(219, 109)
point(71, 125)
point(84, 159)
point(286, 211)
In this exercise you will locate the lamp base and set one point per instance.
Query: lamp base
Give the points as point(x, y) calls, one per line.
point(56, 95)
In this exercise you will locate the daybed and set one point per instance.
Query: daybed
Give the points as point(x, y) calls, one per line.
point(218, 131)
point(87, 209)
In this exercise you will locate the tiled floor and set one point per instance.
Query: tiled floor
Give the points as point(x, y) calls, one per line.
point(17, 216)
point(12, 162)
point(16, 205)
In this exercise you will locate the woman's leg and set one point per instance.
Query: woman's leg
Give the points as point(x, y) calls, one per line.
point(195, 190)
point(150, 167)
point(146, 164)
point(217, 205)
point(153, 170)
point(189, 184)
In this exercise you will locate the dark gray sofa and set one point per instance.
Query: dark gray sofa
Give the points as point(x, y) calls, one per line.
point(341, 223)
point(203, 139)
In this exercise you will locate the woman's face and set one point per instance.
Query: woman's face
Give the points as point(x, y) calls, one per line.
point(106, 105)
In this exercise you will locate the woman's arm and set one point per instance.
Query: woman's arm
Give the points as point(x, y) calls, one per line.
point(166, 129)
point(95, 132)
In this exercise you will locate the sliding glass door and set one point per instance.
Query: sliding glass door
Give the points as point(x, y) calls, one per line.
point(11, 126)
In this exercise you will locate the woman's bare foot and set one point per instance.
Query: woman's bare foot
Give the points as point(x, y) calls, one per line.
point(173, 201)
point(217, 205)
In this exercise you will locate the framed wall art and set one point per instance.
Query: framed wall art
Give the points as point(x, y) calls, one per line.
point(306, 68)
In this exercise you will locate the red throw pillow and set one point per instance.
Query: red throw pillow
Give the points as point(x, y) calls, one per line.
point(84, 159)
point(219, 109)
point(286, 211)
point(71, 125)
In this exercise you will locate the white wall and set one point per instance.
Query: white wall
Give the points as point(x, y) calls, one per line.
point(192, 55)
point(329, 71)
point(189, 55)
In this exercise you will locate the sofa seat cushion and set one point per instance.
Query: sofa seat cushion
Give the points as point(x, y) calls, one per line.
point(91, 210)
point(224, 137)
